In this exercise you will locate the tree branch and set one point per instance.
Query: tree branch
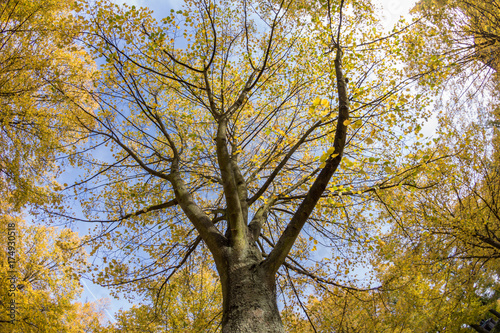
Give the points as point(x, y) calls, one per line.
point(282, 164)
point(237, 225)
point(215, 240)
point(278, 254)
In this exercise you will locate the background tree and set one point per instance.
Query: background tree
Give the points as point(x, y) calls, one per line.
point(440, 251)
point(191, 302)
point(43, 281)
point(38, 54)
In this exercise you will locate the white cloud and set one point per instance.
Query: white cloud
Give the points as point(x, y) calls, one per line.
point(392, 10)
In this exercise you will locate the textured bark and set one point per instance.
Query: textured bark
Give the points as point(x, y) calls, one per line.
point(478, 328)
point(250, 299)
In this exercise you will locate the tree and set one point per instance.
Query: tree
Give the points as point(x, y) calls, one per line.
point(40, 273)
point(189, 303)
point(38, 54)
point(461, 38)
point(232, 127)
point(444, 240)
point(440, 251)
point(438, 256)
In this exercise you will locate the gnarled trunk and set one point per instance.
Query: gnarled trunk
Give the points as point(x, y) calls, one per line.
point(250, 299)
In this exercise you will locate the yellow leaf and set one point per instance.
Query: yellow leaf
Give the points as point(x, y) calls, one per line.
point(347, 122)
point(369, 141)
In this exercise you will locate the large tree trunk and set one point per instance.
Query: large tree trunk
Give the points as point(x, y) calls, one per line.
point(249, 294)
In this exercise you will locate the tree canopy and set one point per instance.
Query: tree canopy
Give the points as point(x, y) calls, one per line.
point(39, 58)
point(41, 285)
point(233, 156)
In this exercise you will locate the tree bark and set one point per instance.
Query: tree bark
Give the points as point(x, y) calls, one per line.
point(249, 298)
point(496, 313)
point(478, 328)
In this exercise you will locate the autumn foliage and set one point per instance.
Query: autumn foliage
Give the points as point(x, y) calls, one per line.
point(251, 166)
